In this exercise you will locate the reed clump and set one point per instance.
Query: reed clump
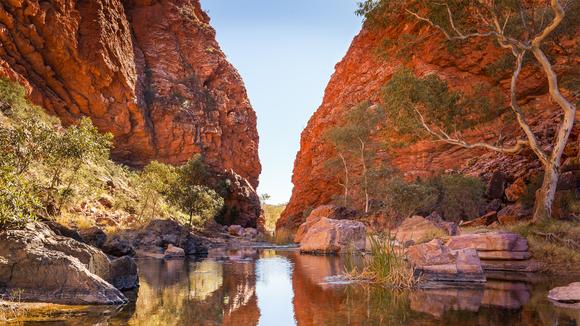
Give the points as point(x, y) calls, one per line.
point(385, 264)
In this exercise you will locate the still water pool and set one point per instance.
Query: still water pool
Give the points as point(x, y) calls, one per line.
point(282, 287)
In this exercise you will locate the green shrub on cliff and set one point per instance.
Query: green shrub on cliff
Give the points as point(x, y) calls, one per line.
point(454, 196)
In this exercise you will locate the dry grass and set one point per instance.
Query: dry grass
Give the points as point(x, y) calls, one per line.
point(556, 244)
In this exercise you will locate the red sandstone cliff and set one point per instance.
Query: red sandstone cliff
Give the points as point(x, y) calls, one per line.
point(365, 70)
point(149, 71)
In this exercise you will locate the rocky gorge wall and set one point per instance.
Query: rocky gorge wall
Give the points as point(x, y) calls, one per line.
point(374, 55)
point(149, 71)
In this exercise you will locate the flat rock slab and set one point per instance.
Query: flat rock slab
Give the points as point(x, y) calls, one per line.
point(568, 295)
point(504, 255)
point(434, 261)
point(417, 229)
point(491, 241)
point(526, 266)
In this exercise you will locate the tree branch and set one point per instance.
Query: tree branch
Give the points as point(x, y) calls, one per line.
point(532, 140)
point(442, 136)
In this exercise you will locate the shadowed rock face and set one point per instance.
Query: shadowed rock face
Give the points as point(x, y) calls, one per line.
point(364, 71)
point(148, 71)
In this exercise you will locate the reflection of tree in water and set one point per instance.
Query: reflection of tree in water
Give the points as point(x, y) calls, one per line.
point(201, 293)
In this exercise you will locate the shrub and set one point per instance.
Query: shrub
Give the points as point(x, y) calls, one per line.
point(460, 196)
point(200, 201)
point(407, 198)
point(18, 202)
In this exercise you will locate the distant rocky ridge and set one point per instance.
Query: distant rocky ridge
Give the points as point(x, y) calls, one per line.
point(149, 71)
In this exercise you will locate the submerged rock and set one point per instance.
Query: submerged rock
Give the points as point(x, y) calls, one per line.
point(44, 267)
point(567, 295)
point(330, 236)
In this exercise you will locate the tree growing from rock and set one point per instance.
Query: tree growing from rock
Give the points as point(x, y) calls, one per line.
point(353, 143)
point(522, 28)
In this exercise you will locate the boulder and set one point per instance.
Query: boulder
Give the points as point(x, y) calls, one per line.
point(484, 220)
point(118, 247)
point(417, 229)
point(493, 206)
point(330, 236)
point(496, 185)
point(158, 234)
point(45, 267)
point(513, 214)
point(173, 252)
point(523, 266)
point(329, 211)
point(106, 201)
point(62, 230)
point(124, 274)
point(433, 261)
point(250, 233)
point(94, 236)
point(569, 181)
point(568, 295)
point(235, 230)
point(515, 191)
point(490, 241)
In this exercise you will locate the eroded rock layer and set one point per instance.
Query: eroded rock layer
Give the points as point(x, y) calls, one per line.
point(149, 71)
point(375, 54)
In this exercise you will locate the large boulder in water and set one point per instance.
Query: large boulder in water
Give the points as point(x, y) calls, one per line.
point(44, 267)
point(329, 211)
point(330, 236)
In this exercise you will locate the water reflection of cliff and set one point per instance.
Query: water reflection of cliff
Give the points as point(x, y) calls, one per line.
point(316, 302)
point(210, 292)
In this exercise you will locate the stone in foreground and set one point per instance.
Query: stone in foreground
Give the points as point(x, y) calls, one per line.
point(568, 296)
point(433, 261)
point(124, 274)
point(329, 211)
point(44, 267)
point(329, 236)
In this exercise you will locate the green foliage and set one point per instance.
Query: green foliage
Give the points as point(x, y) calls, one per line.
point(356, 141)
point(386, 265)
point(454, 196)
point(460, 196)
point(18, 201)
point(408, 198)
point(154, 185)
point(197, 200)
point(187, 189)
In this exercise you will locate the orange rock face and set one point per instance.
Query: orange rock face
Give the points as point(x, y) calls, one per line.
point(148, 71)
point(368, 66)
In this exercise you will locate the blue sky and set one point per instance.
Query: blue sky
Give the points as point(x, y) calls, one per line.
point(285, 51)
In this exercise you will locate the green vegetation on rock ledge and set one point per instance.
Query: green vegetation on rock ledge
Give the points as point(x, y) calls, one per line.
point(48, 171)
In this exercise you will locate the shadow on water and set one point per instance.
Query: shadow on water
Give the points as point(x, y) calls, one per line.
point(269, 287)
